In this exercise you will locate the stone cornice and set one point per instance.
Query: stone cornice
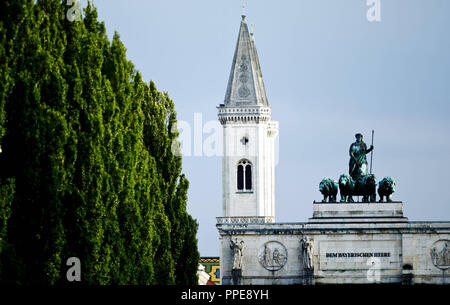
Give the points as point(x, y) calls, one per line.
point(245, 220)
point(243, 115)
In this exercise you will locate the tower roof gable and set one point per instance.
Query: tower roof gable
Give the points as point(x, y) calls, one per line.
point(245, 84)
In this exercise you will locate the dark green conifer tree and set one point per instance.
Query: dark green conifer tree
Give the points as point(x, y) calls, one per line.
point(87, 167)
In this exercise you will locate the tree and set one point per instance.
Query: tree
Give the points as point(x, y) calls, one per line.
point(87, 166)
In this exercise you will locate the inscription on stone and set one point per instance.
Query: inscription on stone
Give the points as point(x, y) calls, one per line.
point(358, 254)
point(354, 254)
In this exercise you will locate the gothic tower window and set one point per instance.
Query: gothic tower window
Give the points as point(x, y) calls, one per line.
point(240, 177)
point(244, 175)
point(248, 177)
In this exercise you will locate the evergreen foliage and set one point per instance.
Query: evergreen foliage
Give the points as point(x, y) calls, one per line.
point(87, 167)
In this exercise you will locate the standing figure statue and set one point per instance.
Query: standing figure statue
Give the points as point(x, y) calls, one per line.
point(307, 253)
point(277, 257)
point(445, 256)
point(434, 256)
point(358, 160)
point(267, 257)
point(306, 246)
point(238, 248)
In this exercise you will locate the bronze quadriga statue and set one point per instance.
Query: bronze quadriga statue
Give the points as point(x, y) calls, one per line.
point(358, 182)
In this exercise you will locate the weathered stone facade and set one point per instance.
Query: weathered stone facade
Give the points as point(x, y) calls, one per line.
point(353, 243)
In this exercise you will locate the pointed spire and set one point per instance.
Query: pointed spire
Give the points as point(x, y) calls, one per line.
point(245, 84)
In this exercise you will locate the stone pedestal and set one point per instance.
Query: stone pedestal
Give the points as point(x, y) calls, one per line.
point(236, 275)
point(358, 212)
point(308, 277)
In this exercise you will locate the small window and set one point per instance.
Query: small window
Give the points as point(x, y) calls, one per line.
point(244, 176)
point(248, 177)
point(240, 177)
point(407, 267)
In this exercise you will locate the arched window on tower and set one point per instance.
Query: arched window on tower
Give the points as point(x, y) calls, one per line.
point(248, 177)
point(240, 177)
point(244, 175)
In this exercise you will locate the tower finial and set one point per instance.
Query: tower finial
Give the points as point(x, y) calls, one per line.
point(243, 8)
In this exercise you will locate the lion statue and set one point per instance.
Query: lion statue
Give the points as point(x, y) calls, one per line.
point(329, 188)
point(364, 186)
point(346, 186)
point(386, 187)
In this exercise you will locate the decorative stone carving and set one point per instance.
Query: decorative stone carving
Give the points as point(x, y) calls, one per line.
point(273, 256)
point(246, 115)
point(244, 220)
point(244, 141)
point(243, 91)
point(243, 67)
point(440, 255)
point(243, 78)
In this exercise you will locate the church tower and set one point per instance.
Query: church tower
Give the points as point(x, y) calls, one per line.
point(248, 165)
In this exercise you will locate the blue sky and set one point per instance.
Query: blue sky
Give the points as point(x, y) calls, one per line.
point(328, 72)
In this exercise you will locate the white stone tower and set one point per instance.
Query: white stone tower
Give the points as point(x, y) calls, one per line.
point(248, 166)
